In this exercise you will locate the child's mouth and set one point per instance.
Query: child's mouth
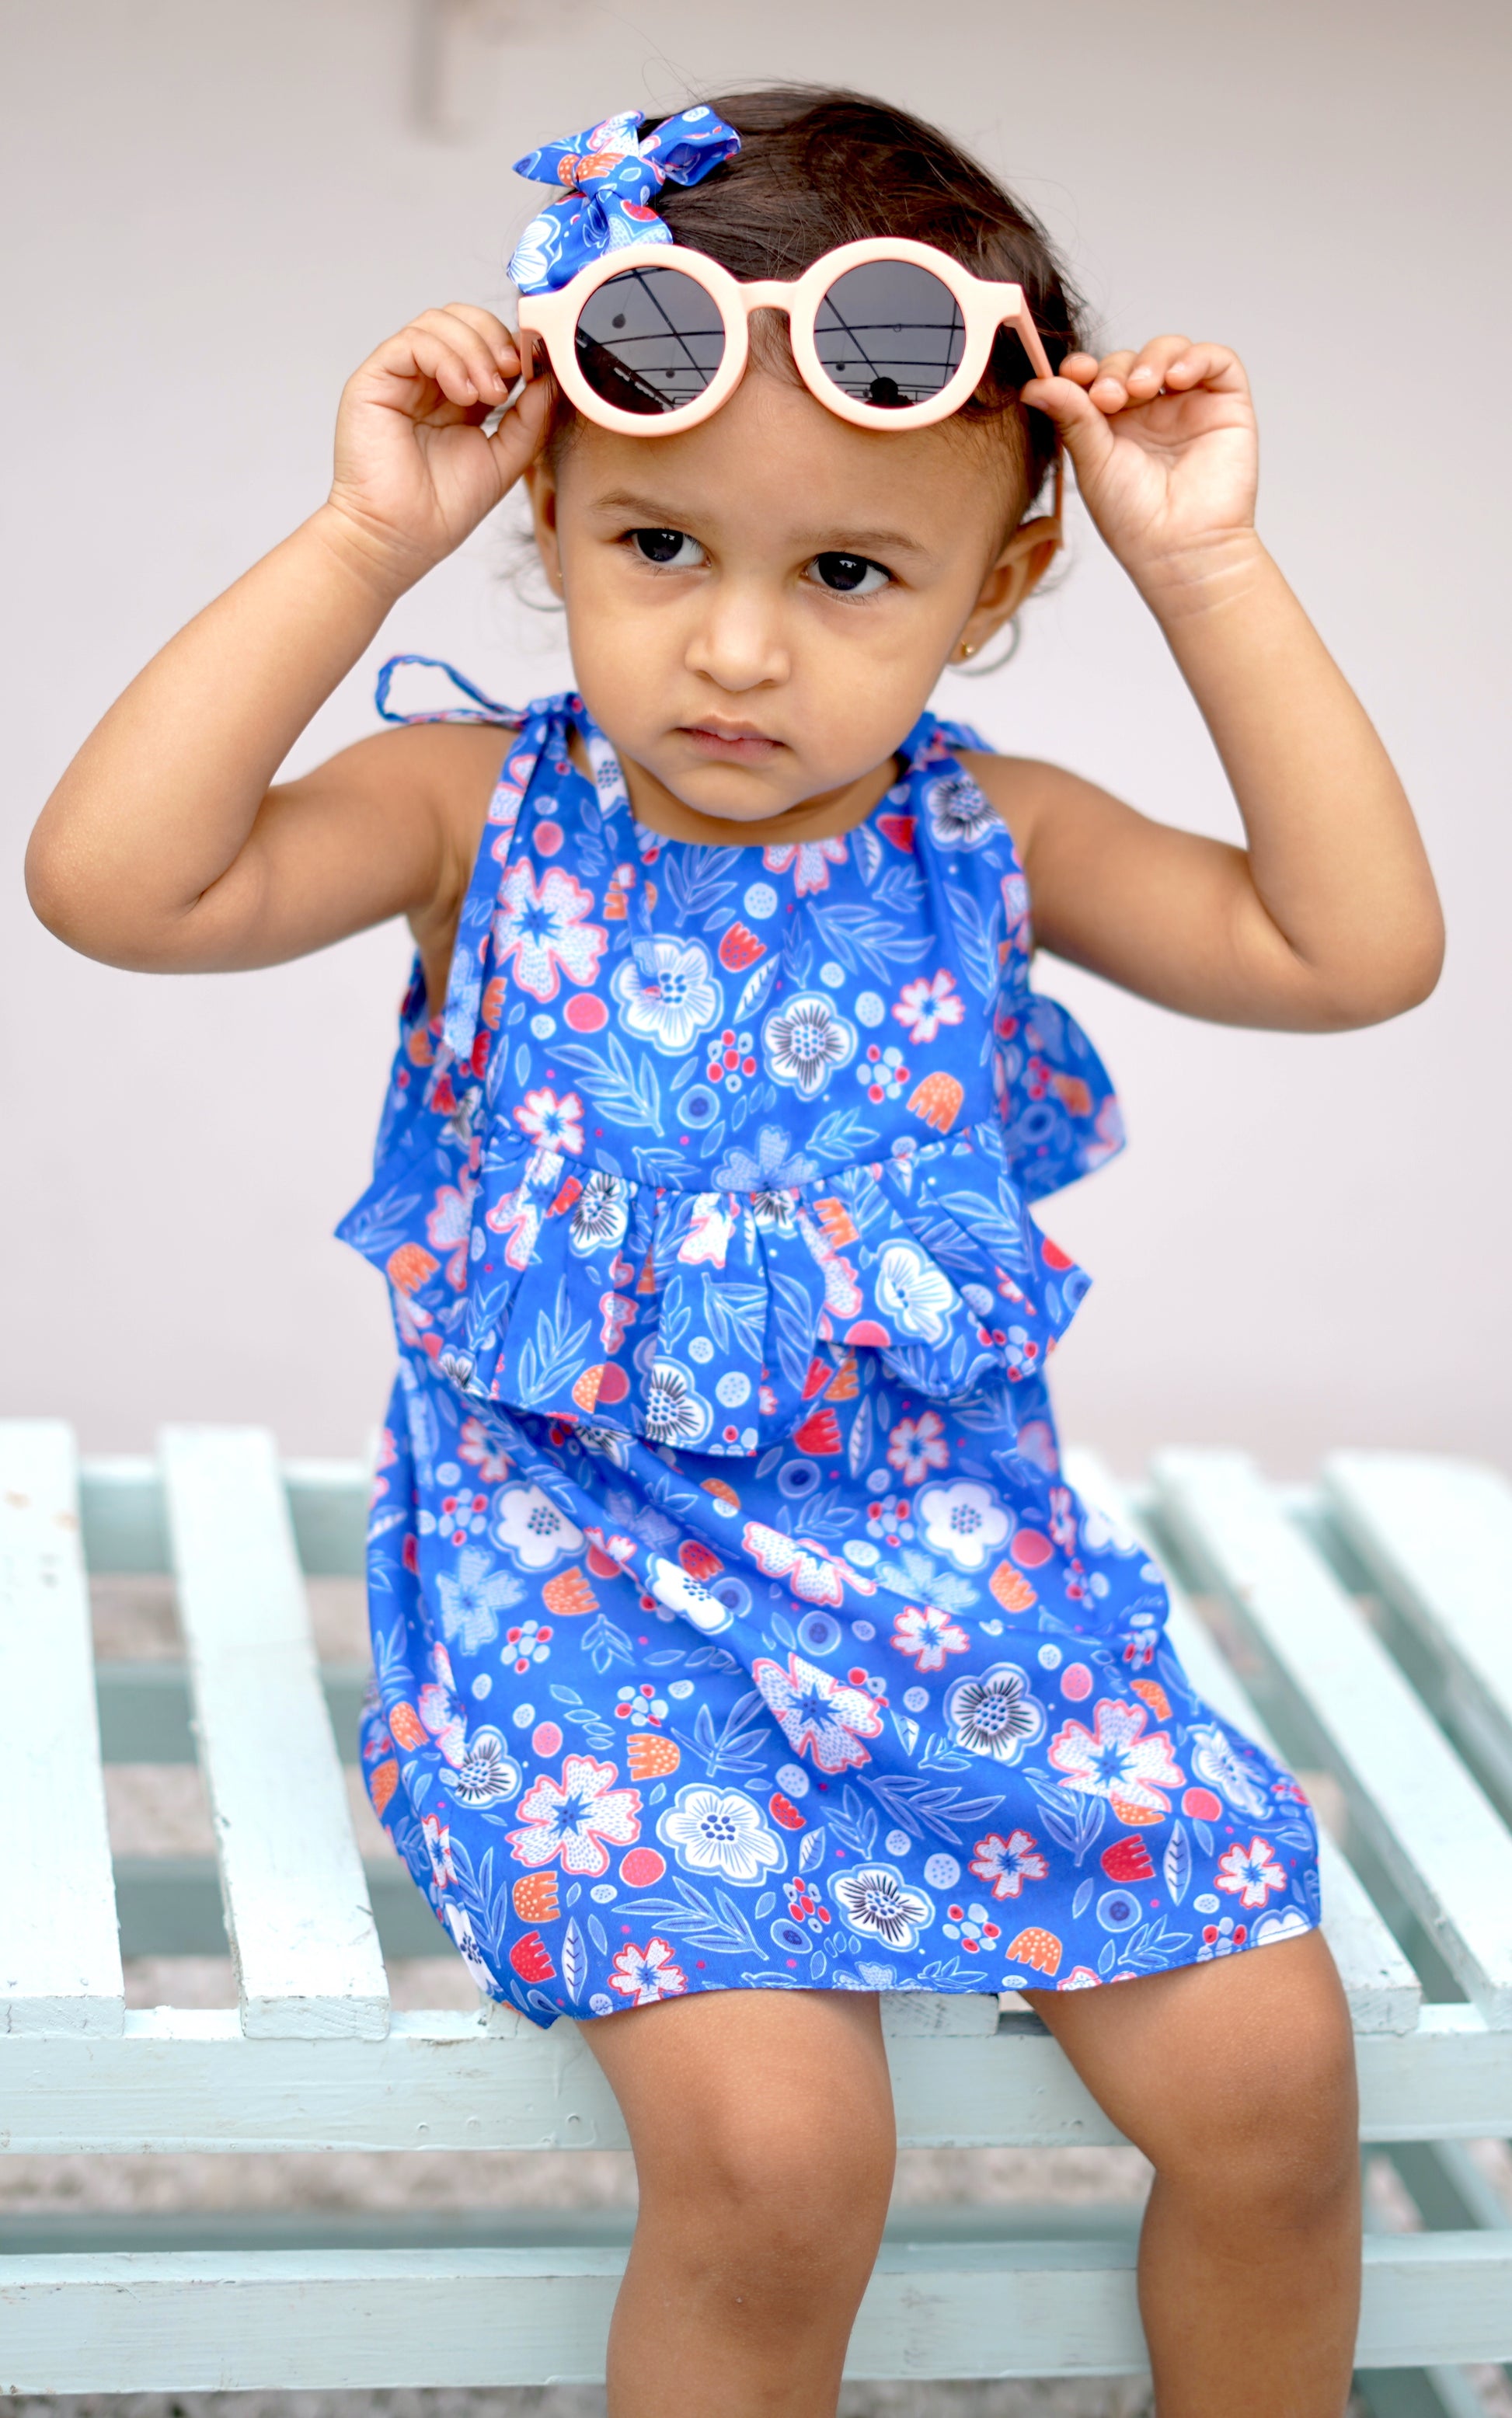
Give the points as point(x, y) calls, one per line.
point(736, 743)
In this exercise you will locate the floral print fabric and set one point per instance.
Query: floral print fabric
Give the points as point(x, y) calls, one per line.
point(733, 1624)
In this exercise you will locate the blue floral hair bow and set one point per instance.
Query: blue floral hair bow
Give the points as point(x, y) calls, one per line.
point(612, 177)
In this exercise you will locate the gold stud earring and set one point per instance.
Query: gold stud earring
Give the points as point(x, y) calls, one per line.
point(965, 653)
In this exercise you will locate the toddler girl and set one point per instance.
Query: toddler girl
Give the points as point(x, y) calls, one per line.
point(741, 1652)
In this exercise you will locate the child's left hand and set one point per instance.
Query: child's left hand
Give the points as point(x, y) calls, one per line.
point(1165, 452)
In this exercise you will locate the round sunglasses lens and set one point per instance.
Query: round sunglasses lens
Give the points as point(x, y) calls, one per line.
point(649, 340)
point(890, 334)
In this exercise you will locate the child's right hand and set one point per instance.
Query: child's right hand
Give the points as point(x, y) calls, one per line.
point(415, 473)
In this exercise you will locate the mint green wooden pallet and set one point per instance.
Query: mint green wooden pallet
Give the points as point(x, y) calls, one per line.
point(1369, 1620)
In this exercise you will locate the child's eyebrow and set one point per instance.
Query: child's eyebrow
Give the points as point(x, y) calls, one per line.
point(654, 512)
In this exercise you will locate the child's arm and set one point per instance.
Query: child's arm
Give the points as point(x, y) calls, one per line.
point(163, 847)
point(1330, 918)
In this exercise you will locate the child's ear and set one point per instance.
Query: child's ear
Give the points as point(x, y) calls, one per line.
point(1014, 576)
point(540, 486)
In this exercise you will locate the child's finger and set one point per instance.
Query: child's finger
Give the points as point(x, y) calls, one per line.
point(1210, 365)
point(517, 438)
point(501, 341)
point(471, 348)
point(1146, 373)
point(1080, 420)
point(418, 350)
point(1108, 386)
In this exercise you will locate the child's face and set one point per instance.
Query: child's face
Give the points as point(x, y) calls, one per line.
point(814, 578)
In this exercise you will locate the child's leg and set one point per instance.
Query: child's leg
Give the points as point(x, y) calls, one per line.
point(1237, 2080)
point(762, 2126)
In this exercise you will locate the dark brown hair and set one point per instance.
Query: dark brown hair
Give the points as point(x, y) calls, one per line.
point(819, 167)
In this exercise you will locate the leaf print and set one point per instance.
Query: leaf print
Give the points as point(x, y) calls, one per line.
point(901, 889)
point(811, 1850)
point(855, 1825)
point(1176, 1864)
point(698, 879)
point(548, 1364)
point(860, 937)
point(754, 991)
point(858, 1449)
point(1073, 1822)
point(623, 1089)
point(920, 1805)
point(574, 1959)
point(978, 938)
point(713, 1924)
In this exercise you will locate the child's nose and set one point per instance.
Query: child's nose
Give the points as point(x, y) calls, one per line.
point(740, 642)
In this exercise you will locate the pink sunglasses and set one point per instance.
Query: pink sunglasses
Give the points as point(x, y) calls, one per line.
point(886, 334)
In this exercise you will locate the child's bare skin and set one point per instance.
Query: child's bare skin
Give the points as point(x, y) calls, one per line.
point(741, 686)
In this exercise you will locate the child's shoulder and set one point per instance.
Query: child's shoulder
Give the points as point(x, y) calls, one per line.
point(1026, 791)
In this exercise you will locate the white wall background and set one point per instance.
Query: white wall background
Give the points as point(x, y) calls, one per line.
point(215, 209)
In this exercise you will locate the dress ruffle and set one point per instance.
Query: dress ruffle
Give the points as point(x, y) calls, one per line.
point(568, 1290)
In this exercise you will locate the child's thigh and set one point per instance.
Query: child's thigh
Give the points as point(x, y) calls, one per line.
point(1248, 2061)
point(754, 2094)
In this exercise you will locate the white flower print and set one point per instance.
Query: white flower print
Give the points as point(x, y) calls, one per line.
point(719, 1830)
point(460, 1925)
point(926, 1003)
point(805, 1041)
point(960, 815)
point(1250, 1873)
point(675, 1412)
point(602, 1215)
point(772, 1168)
point(965, 1521)
point(643, 1975)
point(915, 1293)
point(711, 1224)
point(1008, 1863)
point(995, 1712)
point(544, 930)
point(876, 1900)
point(487, 1774)
point(680, 1000)
point(810, 861)
point(927, 1634)
point(578, 1818)
point(671, 1585)
point(818, 1714)
point(918, 1446)
point(472, 1598)
point(555, 1124)
point(1215, 1762)
point(1116, 1760)
point(527, 1524)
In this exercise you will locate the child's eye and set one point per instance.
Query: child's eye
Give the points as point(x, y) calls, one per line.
point(848, 575)
point(672, 548)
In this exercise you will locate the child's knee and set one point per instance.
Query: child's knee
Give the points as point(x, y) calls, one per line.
point(1267, 2119)
point(791, 2204)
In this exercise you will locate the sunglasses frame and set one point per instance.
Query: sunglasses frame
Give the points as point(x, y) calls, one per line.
point(984, 307)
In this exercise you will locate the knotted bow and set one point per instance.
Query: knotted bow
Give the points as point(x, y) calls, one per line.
point(613, 176)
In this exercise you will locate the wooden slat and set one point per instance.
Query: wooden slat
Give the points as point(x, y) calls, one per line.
point(297, 1909)
point(1418, 1808)
point(1435, 1536)
point(310, 2319)
point(60, 1963)
point(1384, 1991)
point(187, 2078)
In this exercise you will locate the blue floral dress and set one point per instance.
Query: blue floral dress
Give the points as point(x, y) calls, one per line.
point(733, 1625)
